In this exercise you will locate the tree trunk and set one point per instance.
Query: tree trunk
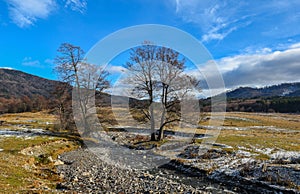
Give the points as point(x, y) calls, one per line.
point(152, 122)
point(161, 128)
point(161, 133)
point(153, 136)
point(87, 130)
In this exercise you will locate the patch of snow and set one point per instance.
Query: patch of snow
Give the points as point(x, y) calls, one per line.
point(239, 118)
point(243, 148)
point(244, 153)
point(247, 160)
point(272, 128)
point(286, 92)
point(1, 150)
point(9, 68)
point(287, 155)
point(23, 133)
point(266, 151)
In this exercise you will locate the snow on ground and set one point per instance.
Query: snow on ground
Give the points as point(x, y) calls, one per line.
point(286, 155)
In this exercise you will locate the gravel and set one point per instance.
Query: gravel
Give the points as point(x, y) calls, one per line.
point(83, 172)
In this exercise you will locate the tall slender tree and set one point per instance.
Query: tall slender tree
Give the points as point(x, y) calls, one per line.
point(85, 79)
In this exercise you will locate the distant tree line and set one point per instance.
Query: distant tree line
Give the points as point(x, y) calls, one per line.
point(286, 105)
point(267, 105)
point(24, 104)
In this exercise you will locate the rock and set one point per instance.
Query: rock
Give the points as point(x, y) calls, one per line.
point(75, 179)
point(1, 122)
point(85, 174)
point(50, 159)
point(58, 162)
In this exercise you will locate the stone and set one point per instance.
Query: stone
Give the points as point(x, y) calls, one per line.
point(58, 162)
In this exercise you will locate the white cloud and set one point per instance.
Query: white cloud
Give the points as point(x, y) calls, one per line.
point(25, 12)
point(210, 16)
point(215, 35)
point(77, 5)
point(257, 50)
point(9, 68)
point(296, 45)
point(264, 69)
point(29, 62)
point(49, 61)
point(217, 19)
point(116, 69)
point(256, 69)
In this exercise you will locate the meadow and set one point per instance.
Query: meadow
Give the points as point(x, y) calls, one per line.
point(28, 162)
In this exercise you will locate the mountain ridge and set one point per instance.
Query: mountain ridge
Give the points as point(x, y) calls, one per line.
point(20, 91)
point(18, 83)
point(15, 83)
point(279, 90)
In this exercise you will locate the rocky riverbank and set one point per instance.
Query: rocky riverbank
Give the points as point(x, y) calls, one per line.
point(192, 171)
point(83, 172)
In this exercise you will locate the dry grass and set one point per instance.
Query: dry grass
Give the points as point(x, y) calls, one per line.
point(286, 121)
point(33, 172)
point(24, 173)
point(260, 136)
point(32, 120)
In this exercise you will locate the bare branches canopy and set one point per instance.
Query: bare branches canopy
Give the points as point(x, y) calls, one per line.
point(157, 74)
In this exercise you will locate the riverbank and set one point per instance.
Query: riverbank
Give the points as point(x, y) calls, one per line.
point(85, 172)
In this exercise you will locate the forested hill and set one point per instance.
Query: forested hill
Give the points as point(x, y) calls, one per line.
point(284, 98)
point(20, 92)
point(286, 89)
point(17, 84)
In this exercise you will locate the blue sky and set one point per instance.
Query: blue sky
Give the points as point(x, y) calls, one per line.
point(255, 43)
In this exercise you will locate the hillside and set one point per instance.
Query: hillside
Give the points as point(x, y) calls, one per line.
point(286, 89)
point(21, 92)
point(17, 84)
point(283, 98)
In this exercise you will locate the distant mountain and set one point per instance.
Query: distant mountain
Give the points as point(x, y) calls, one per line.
point(286, 89)
point(21, 92)
point(294, 94)
point(283, 98)
point(17, 84)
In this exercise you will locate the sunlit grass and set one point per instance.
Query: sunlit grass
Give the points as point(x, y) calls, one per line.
point(22, 159)
point(285, 121)
point(31, 120)
point(21, 172)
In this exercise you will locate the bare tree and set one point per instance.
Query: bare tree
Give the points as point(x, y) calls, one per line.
point(62, 104)
point(85, 79)
point(157, 74)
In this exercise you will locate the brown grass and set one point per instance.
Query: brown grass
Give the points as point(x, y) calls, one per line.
point(22, 173)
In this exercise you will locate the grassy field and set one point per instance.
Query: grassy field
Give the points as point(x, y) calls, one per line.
point(254, 132)
point(258, 132)
point(27, 164)
point(29, 120)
